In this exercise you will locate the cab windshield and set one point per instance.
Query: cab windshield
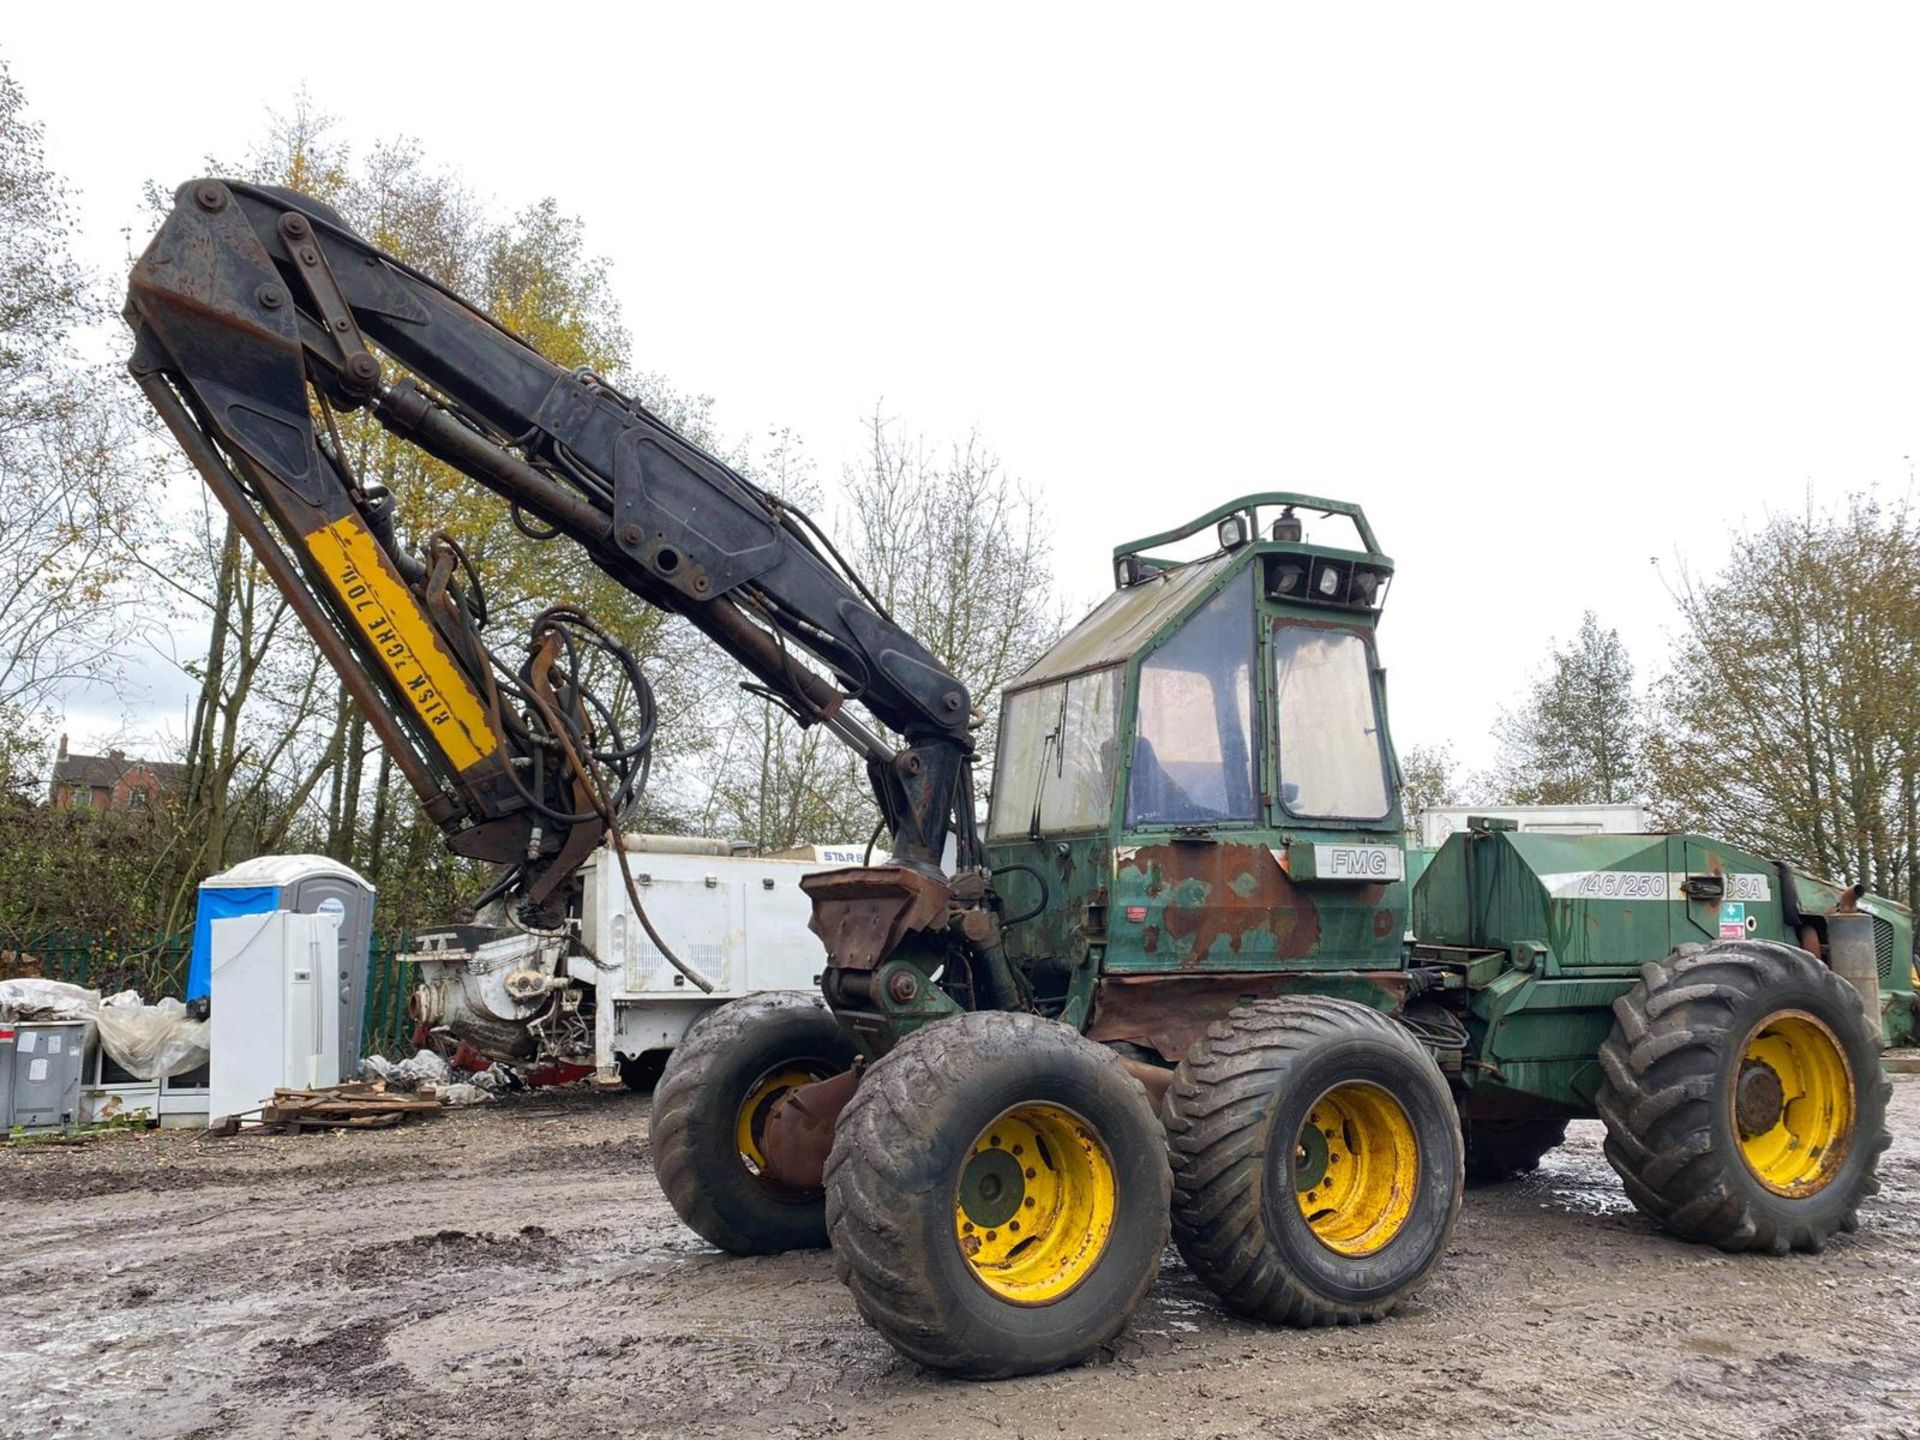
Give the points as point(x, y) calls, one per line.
point(1193, 743)
point(1332, 764)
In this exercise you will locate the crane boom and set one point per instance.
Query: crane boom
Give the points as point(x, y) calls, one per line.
point(259, 315)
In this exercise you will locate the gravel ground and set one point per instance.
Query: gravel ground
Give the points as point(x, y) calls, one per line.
point(514, 1272)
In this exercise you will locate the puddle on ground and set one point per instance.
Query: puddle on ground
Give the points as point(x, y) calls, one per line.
point(1576, 1178)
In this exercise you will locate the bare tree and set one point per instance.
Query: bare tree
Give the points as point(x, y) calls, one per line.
point(1786, 719)
point(957, 552)
point(64, 484)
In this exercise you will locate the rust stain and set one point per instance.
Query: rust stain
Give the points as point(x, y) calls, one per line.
point(1383, 923)
point(1167, 1013)
point(1150, 941)
point(1231, 892)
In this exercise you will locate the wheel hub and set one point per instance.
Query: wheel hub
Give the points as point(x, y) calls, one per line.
point(992, 1187)
point(1356, 1168)
point(1793, 1103)
point(1759, 1099)
point(1034, 1204)
point(750, 1122)
point(1309, 1158)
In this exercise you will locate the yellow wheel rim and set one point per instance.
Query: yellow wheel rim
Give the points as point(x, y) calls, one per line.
point(1793, 1103)
point(750, 1125)
point(1356, 1165)
point(1034, 1204)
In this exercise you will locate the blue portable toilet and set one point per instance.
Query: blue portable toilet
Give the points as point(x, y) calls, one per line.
point(306, 885)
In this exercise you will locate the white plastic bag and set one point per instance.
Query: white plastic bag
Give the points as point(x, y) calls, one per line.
point(424, 1068)
point(149, 1042)
point(46, 1000)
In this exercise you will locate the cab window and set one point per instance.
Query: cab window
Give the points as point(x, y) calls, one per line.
point(1332, 764)
point(1193, 741)
point(1055, 766)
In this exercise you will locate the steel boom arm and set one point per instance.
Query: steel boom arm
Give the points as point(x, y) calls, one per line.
point(252, 304)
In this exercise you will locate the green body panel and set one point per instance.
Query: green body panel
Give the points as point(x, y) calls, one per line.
point(1572, 918)
point(1536, 1037)
point(1597, 902)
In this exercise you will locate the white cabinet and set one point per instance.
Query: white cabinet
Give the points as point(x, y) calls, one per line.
point(277, 1008)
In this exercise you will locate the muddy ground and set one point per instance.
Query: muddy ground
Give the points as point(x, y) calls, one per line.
point(514, 1272)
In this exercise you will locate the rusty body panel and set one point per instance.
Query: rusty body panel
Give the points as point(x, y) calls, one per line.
point(1225, 898)
point(1167, 1013)
point(862, 914)
point(1230, 905)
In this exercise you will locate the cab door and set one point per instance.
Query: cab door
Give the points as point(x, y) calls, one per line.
point(1335, 796)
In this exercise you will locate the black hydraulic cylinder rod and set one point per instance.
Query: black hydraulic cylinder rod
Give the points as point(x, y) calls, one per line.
point(409, 413)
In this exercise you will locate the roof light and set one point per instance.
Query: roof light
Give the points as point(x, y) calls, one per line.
point(1287, 529)
point(1127, 570)
point(1327, 582)
point(1233, 532)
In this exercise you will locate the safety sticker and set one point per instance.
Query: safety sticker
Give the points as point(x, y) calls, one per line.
point(392, 622)
point(1733, 920)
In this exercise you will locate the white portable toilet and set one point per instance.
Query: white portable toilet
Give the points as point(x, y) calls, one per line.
point(306, 885)
point(276, 1008)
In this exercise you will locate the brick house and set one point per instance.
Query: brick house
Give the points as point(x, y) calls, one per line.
point(111, 781)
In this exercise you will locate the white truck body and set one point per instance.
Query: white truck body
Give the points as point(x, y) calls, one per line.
point(739, 920)
point(1438, 823)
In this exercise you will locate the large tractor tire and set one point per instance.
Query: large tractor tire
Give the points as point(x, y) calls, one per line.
point(710, 1111)
point(1316, 1161)
point(1501, 1148)
point(1743, 1097)
point(997, 1195)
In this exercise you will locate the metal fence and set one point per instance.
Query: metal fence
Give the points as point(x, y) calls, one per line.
point(387, 1030)
point(156, 966)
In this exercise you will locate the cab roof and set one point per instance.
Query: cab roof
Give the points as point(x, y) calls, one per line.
point(1122, 624)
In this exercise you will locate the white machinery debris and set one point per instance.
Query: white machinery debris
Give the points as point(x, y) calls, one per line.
point(739, 920)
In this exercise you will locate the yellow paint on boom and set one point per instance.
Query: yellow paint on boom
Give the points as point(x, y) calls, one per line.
point(401, 635)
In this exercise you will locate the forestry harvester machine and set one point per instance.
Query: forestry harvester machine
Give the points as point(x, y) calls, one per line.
point(1168, 987)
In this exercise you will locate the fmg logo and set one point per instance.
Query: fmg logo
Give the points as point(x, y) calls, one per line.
point(1357, 862)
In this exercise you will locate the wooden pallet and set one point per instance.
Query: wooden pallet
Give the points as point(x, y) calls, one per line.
point(357, 1105)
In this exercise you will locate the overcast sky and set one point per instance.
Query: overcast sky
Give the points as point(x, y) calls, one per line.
point(1554, 296)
